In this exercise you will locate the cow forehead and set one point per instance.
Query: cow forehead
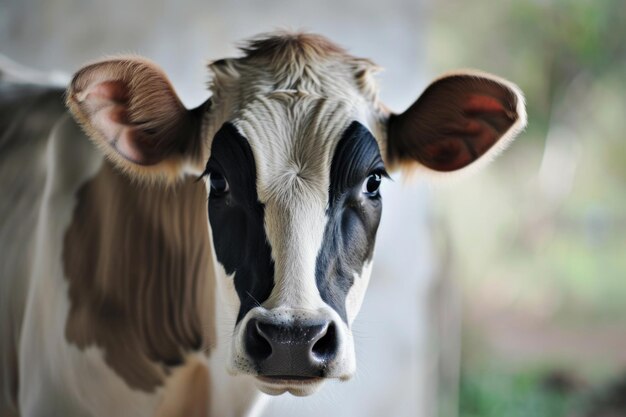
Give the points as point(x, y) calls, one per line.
point(293, 136)
point(292, 97)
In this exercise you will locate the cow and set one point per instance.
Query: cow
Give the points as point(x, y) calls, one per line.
point(163, 261)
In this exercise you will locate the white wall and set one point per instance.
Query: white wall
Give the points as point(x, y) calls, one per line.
point(397, 372)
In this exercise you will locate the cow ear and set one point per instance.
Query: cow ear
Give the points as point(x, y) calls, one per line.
point(459, 119)
point(129, 108)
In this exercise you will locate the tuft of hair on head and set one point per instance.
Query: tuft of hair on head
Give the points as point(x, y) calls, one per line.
point(284, 46)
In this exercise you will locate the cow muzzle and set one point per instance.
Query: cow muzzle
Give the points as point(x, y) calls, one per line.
point(295, 350)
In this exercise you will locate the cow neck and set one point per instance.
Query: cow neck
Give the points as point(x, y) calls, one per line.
point(137, 259)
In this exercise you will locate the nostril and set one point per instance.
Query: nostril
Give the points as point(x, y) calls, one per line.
point(257, 346)
point(325, 348)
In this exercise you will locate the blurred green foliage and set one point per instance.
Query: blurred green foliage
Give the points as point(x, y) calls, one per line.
point(542, 44)
point(571, 37)
point(550, 214)
point(496, 394)
point(541, 233)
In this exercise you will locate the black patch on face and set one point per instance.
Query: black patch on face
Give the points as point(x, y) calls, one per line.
point(237, 220)
point(353, 216)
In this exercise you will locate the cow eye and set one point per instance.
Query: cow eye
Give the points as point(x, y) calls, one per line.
point(219, 185)
point(371, 185)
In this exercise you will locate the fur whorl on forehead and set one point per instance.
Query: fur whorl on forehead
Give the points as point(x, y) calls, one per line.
point(296, 61)
point(288, 46)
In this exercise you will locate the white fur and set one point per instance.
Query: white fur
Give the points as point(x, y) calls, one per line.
point(355, 296)
point(293, 133)
point(293, 136)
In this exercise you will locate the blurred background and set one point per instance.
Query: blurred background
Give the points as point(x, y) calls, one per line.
point(500, 294)
point(539, 237)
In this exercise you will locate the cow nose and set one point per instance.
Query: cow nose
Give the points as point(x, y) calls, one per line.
point(298, 349)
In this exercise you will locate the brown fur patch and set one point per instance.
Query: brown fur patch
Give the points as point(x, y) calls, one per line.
point(187, 393)
point(138, 262)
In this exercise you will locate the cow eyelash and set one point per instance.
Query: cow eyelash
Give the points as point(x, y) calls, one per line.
point(371, 185)
point(380, 171)
point(208, 170)
point(219, 184)
point(204, 174)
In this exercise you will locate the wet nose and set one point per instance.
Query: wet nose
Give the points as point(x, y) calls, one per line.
point(298, 349)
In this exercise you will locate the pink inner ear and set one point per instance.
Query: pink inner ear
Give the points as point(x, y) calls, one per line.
point(455, 121)
point(448, 154)
point(114, 90)
point(130, 146)
point(110, 97)
point(108, 103)
point(482, 104)
point(131, 106)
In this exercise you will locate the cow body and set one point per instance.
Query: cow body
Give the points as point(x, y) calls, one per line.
point(123, 292)
point(63, 228)
point(71, 347)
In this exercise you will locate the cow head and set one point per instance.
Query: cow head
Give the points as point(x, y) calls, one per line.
point(293, 145)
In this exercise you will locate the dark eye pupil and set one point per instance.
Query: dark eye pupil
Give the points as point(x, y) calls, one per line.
point(373, 183)
point(218, 183)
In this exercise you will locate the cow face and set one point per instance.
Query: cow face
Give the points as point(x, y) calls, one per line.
point(293, 145)
point(293, 222)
